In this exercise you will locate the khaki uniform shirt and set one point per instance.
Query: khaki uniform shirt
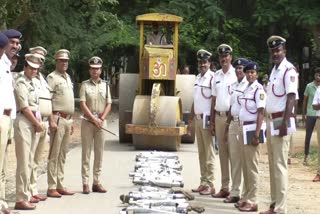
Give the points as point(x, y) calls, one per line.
point(96, 95)
point(63, 98)
point(26, 94)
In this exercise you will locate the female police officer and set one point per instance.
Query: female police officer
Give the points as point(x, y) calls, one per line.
point(27, 127)
point(252, 103)
point(95, 103)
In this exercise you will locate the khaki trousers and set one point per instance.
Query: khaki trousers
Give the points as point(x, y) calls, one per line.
point(318, 139)
point(5, 122)
point(4, 167)
point(278, 149)
point(236, 157)
point(220, 123)
point(251, 156)
point(25, 141)
point(58, 152)
point(42, 140)
point(205, 152)
point(92, 136)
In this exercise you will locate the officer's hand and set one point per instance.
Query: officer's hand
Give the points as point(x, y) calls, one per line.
point(53, 126)
point(212, 129)
point(39, 127)
point(255, 141)
point(97, 122)
point(283, 129)
point(72, 130)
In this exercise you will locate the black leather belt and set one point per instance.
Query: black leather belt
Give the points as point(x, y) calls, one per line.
point(222, 113)
point(235, 118)
point(62, 114)
point(248, 122)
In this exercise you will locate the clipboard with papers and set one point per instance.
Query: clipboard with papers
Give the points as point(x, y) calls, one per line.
point(249, 132)
point(275, 124)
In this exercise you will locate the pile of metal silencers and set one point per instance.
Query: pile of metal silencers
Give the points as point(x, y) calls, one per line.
point(159, 173)
point(159, 169)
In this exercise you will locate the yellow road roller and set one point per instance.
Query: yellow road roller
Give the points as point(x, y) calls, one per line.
point(154, 104)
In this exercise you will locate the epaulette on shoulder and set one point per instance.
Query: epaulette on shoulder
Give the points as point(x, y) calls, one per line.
point(50, 75)
point(85, 81)
point(20, 80)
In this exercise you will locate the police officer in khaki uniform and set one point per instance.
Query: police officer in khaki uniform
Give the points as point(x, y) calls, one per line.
point(201, 106)
point(5, 114)
point(60, 124)
point(11, 49)
point(281, 95)
point(233, 129)
point(252, 102)
point(27, 126)
point(221, 96)
point(45, 107)
point(95, 103)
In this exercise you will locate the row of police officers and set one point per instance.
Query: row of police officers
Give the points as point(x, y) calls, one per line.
point(240, 109)
point(33, 108)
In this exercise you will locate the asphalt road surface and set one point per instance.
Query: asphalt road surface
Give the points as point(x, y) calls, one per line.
point(119, 160)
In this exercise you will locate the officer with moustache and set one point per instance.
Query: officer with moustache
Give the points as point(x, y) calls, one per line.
point(12, 39)
point(221, 96)
point(5, 119)
point(281, 95)
point(201, 106)
point(60, 124)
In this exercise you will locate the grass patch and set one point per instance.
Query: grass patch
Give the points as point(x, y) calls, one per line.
point(313, 157)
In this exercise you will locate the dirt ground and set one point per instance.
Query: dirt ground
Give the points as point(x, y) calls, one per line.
point(303, 193)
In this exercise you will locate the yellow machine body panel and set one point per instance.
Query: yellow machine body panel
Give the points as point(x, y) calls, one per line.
point(158, 63)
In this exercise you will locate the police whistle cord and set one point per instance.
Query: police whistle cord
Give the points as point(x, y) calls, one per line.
point(159, 173)
point(83, 118)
